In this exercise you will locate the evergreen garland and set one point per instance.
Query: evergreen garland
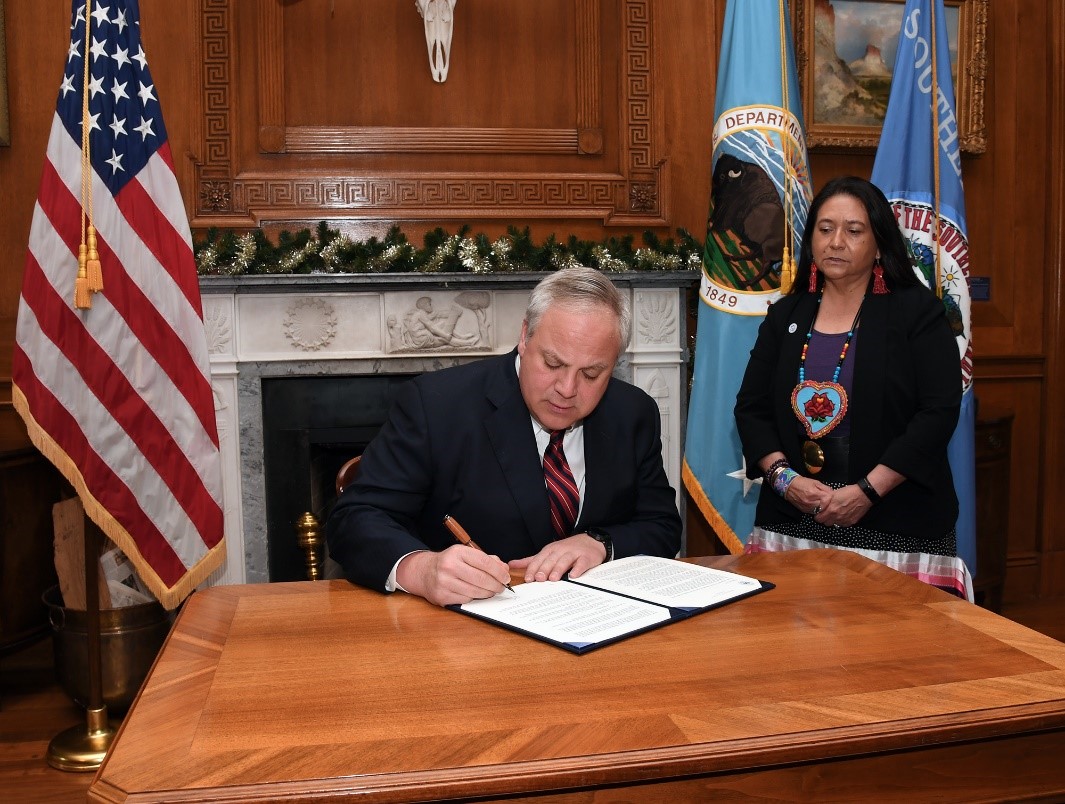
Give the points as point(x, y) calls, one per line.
point(224, 252)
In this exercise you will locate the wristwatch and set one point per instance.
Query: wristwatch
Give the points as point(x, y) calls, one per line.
point(604, 539)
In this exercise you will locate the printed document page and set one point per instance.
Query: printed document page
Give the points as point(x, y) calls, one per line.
point(668, 582)
point(564, 612)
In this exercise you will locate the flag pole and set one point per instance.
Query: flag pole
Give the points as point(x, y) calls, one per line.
point(787, 265)
point(935, 157)
point(82, 748)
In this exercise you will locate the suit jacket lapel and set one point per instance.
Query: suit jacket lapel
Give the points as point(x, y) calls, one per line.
point(509, 429)
point(870, 367)
point(802, 315)
point(600, 454)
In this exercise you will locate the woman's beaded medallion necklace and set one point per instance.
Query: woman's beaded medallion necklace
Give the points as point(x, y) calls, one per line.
point(820, 406)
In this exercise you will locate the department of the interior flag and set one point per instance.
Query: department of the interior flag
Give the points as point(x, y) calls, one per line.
point(110, 367)
point(760, 194)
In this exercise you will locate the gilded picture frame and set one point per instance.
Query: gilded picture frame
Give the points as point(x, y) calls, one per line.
point(5, 122)
point(864, 34)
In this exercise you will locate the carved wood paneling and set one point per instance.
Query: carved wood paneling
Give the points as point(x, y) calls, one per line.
point(271, 76)
point(276, 136)
point(215, 171)
point(644, 196)
point(1052, 432)
point(975, 137)
point(436, 195)
point(634, 195)
point(589, 78)
point(385, 140)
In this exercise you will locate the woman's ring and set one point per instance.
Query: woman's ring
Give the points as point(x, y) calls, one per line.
point(817, 510)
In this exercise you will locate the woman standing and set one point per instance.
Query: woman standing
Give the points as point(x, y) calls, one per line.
point(850, 397)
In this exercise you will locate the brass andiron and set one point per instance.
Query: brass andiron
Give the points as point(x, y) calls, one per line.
point(309, 537)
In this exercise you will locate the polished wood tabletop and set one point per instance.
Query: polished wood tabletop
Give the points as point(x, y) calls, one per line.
point(847, 681)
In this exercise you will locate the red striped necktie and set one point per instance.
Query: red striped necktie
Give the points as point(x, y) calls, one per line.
point(562, 491)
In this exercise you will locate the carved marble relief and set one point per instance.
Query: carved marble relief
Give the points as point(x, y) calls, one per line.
point(656, 318)
point(433, 322)
point(657, 388)
point(310, 323)
point(218, 330)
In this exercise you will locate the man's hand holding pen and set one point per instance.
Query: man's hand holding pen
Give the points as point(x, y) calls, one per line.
point(458, 574)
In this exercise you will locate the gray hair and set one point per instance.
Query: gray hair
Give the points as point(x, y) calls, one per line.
point(582, 288)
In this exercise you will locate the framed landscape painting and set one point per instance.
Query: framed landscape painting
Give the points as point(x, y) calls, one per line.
point(845, 53)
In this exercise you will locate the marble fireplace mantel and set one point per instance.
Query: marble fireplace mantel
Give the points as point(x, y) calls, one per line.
point(349, 325)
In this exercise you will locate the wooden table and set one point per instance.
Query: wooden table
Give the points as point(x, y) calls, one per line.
point(848, 682)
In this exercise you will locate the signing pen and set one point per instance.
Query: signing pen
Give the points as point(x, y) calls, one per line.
point(460, 533)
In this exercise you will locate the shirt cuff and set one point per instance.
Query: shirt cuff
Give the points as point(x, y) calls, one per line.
point(391, 584)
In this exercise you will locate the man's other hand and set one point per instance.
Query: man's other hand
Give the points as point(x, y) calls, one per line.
point(576, 555)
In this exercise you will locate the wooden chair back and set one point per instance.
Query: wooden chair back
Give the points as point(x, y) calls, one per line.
point(347, 473)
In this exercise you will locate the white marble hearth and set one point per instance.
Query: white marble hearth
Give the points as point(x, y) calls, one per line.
point(352, 325)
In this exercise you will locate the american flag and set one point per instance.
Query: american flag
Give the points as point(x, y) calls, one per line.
point(117, 395)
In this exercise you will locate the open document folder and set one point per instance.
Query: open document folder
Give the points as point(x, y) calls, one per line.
point(613, 601)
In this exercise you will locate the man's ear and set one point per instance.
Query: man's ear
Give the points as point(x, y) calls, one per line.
point(521, 338)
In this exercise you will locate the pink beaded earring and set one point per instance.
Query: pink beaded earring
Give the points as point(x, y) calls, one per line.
point(813, 277)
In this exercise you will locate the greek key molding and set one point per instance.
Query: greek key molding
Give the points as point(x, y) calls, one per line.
point(225, 195)
point(215, 174)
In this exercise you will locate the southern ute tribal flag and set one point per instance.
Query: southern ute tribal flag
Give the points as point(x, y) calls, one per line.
point(918, 166)
point(114, 385)
point(760, 194)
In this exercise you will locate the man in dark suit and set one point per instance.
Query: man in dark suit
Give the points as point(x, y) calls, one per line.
point(469, 442)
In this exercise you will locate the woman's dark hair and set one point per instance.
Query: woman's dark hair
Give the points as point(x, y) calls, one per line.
point(894, 255)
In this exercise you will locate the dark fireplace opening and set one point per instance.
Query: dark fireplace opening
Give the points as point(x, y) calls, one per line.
point(311, 426)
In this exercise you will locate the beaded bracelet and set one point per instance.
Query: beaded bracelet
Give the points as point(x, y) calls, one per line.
point(783, 480)
point(779, 463)
point(774, 475)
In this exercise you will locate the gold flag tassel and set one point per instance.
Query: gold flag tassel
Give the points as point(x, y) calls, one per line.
point(787, 271)
point(82, 297)
point(95, 275)
point(88, 258)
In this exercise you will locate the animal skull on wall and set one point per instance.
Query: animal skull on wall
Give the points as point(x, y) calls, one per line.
point(439, 16)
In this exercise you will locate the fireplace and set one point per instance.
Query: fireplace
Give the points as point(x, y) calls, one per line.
point(304, 369)
point(311, 426)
